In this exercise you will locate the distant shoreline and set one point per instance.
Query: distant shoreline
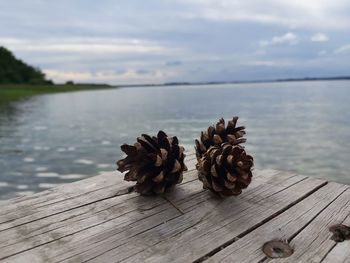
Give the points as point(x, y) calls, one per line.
point(236, 82)
point(14, 92)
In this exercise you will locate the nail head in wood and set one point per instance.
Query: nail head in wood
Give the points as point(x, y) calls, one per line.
point(277, 249)
point(340, 232)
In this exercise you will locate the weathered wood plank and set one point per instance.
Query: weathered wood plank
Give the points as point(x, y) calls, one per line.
point(177, 225)
point(162, 231)
point(111, 212)
point(284, 227)
point(340, 251)
point(313, 243)
point(63, 192)
point(225, 221)
point(65, 220)
point(65, 198)
point(82, 242)
point(90, 211)
point(95, 220)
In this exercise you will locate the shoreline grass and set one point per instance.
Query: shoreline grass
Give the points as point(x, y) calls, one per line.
point(15, 92)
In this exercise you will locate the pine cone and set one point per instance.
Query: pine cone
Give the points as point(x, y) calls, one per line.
point(220, 134)
point(225, 169)
point(155, 163)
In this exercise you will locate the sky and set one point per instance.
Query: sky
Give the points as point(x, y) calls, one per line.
point(157, 41)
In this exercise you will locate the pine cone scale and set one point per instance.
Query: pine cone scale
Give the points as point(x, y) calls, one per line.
point(163, 154)
point(231, 177)
point(229, 185)
point(159, 178)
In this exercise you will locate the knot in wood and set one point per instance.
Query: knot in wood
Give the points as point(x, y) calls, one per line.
point(277, 249)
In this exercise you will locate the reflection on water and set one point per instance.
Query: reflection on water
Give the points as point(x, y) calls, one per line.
point(60, 138)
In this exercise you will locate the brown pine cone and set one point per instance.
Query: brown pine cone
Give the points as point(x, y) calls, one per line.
point(220, 134)
point(225, 169)
point(155, 163)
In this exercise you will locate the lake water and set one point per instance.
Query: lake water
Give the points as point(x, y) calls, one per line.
point(55, 139)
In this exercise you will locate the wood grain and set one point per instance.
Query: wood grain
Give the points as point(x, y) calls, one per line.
point(340, 252)
point(282, 227)
point(101, 228)
point(313, 243)
point(64, 198)
point(96, 220)
point(227, 221)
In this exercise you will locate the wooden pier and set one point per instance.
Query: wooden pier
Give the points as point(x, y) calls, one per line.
point(98, 220)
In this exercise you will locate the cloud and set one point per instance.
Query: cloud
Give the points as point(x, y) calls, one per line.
point(165, 41)
point(342, 49)
point(312, 14)
point(85, 45)
point(288, 38)
point(111, 60)
point(268, 63)
point(129, 76)
point(319, 37)
point(173, 63)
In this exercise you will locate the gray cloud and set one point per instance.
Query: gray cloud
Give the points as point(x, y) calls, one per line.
point(319, 37)
point(345, 49)
point(289, 38)
point(173, 63)
point(155, 41)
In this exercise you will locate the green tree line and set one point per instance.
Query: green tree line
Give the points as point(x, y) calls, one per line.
point(15, 71)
